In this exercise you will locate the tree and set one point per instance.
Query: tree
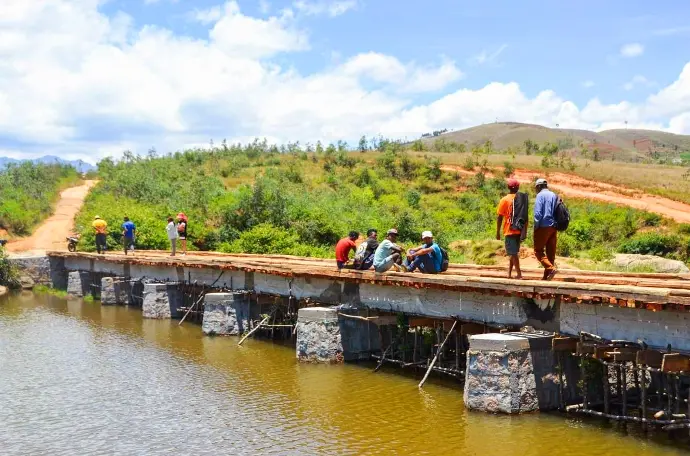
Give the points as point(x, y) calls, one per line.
point(595, 154)
point(363, 147)
point(319, 147)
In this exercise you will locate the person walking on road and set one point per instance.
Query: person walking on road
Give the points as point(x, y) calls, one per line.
point(101, 228)
point(182, 231)
point(545, 232)
point(388, 253)
point(512, 219)
point(128, 232)
point(172, 235)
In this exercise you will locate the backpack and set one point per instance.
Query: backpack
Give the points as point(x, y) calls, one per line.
point(561, 215)
point(520, 209)
point(445, 260)
point(361, 252)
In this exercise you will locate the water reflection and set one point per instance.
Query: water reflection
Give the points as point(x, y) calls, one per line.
point(79, 378)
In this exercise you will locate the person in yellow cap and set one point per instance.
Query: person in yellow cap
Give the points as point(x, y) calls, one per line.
point(101, 228)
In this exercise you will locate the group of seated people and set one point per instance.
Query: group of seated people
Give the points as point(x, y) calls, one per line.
point(384, 255)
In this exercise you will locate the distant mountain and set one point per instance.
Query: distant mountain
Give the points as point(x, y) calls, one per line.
point(623, 144)
point(79, 165)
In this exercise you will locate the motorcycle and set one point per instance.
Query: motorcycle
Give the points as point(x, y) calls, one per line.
point(72, 243)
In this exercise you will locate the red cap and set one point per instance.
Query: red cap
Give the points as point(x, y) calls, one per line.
point(513, 183)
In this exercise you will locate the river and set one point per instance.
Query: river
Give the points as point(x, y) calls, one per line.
point(80, 379)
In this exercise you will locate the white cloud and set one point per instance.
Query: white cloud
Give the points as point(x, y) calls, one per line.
point(588, 84)
point(264, 7)
point(672, 31)
point(632, 50)
point(637, 81)
point(485, 57)
point(404, 78)
point(79, 84)
point(330, 8)
point(208, 16)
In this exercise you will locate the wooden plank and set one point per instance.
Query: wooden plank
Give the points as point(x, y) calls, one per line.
point(385, 320)
point(621, 354)
point(600, 352)
point(564, 344)
point(467, 329)
point(675, 362)
point(651, 358)
point(585, 348)
point(422, 321)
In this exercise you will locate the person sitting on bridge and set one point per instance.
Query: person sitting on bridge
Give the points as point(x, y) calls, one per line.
point(512, 217)
point(388, 253)
point(364, 256)
point(128, 231)
point(101, 227)
point(427, 257)
point(343, 247)
point(545, 233)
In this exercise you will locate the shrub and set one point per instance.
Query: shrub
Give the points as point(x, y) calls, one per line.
point(651, 244)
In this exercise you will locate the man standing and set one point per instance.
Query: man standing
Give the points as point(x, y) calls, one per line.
point(171, 230)
point(128, 232)
point(343, 247)
point(101, 228)
point(427, 257)
point(182, 231)
point(364, 257)
point(512, 217)
point(388, 253)
point(545, 233)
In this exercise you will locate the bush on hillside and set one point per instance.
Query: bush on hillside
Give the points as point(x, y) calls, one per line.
point(651, 244)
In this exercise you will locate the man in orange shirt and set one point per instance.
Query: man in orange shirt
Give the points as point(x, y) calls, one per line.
point(343, 247)
point(513, 235)
point(101, 228)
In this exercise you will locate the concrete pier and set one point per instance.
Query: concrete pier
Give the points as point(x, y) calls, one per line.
point(79, 283)
point(511, 373)
point(227, 313)
point(121, 291)
point(161, 300)
point(327, 337)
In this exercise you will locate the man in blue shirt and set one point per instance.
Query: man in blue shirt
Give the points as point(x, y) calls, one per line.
point(545, 233)
point(128, 231)
point(427, 257)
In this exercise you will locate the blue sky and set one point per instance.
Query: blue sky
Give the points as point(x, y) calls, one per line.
point(90, 78)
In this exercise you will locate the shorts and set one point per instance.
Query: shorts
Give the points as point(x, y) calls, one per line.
point(340, 264)
point(512, 243)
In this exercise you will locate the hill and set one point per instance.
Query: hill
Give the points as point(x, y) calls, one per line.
point(80, 165)
point(625, 145)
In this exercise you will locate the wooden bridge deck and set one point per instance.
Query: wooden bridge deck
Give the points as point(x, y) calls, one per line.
point(654, 292)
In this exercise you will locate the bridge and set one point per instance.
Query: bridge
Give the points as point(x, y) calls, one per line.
point(644, 307)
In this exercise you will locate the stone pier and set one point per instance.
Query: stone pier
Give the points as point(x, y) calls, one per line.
point(326, 337)
point(227, 313)
point(511, 373)
point(79, 283)
point(121, 291)
point(161, 300)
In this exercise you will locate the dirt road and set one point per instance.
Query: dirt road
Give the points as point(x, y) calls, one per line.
point(578, 187)
point(51, 234)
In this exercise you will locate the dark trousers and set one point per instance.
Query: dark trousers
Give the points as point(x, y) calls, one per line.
point(101, 242)
point(366, 264)
point(425, 263)
point(129, 242)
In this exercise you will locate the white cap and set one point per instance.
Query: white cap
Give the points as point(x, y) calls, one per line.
point(540, 181)
point(427, 234)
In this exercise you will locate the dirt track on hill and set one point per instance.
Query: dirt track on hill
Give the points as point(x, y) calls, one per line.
point(51, 234)
point(578, 187)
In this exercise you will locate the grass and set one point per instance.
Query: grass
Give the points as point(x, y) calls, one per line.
point(43, 289)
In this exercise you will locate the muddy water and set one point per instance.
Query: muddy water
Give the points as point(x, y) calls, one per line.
point(78, 378)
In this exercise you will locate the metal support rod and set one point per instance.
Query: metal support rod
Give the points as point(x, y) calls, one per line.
point(624, 378)
point(607, 389)
point(440, 349)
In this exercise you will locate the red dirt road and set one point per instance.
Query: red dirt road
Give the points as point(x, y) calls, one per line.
point(51, 234)
point(578, 187)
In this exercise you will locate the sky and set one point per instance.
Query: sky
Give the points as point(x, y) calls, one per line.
point(86, 79)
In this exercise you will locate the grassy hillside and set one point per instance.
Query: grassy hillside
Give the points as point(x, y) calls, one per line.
point(622, 145)
point(255, 199)
point(28, 193)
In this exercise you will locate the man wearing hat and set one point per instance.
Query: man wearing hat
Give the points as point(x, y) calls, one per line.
point(512, 218)
point(545, 233)
point(427, 257)
point(388, 253)
point(101, 228)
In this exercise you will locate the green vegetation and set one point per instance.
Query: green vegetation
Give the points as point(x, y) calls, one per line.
point(8, 273)
point(43, 289)
point(264, 199)
point(28, 193)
